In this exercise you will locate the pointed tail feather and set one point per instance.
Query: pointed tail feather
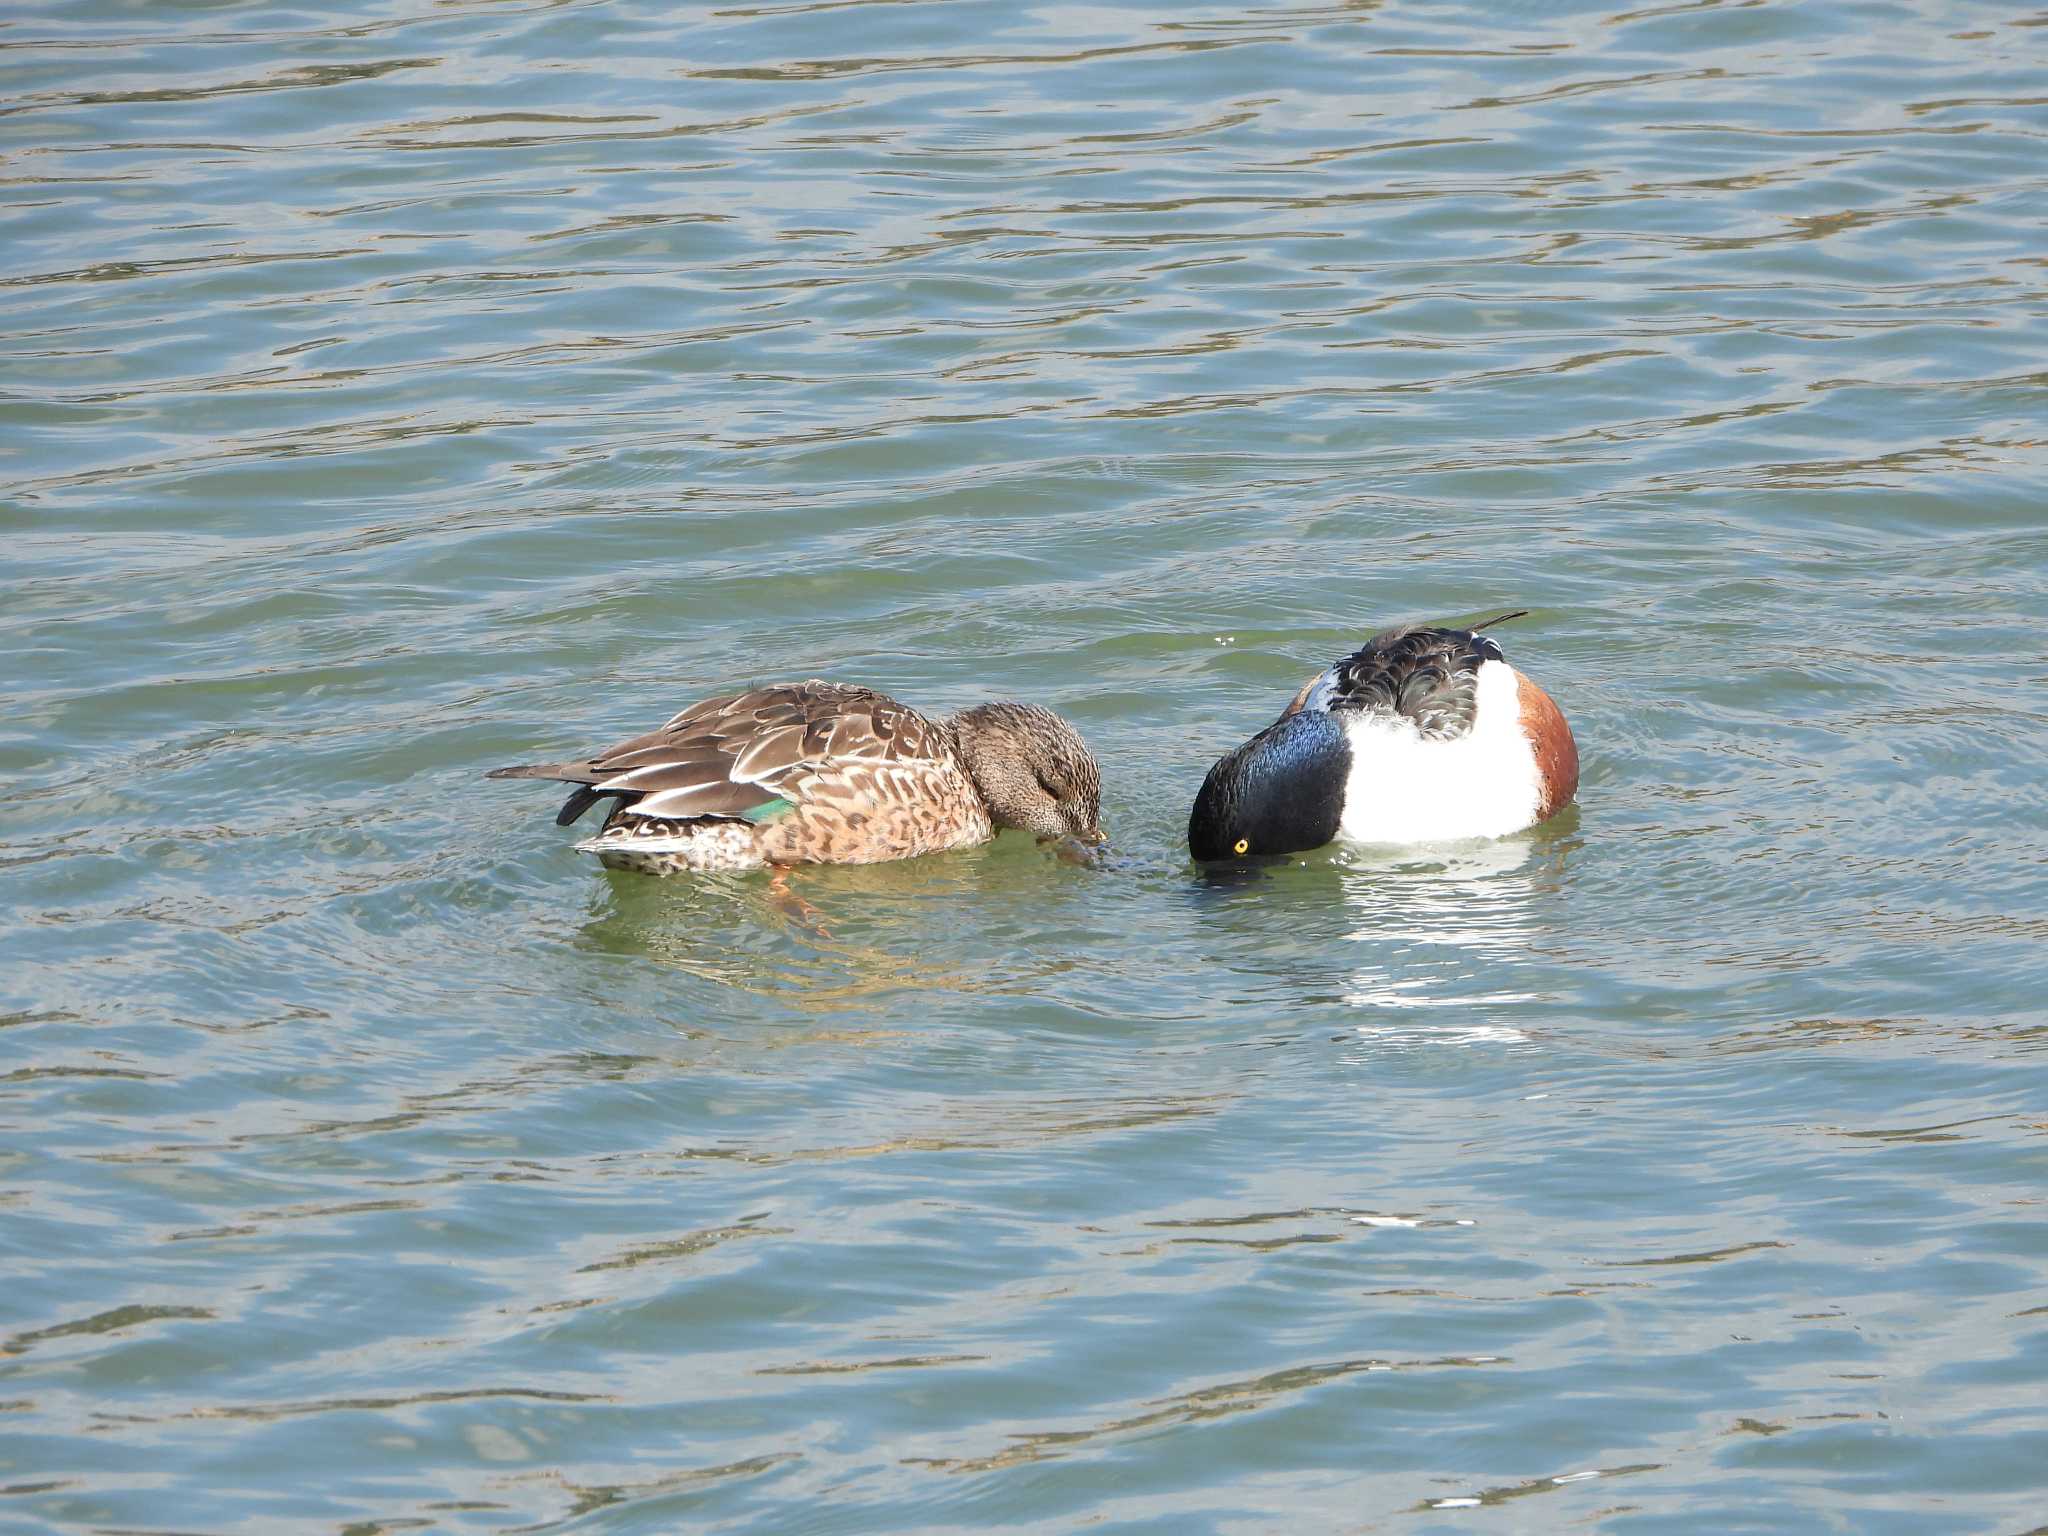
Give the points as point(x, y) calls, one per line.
point(567, 773)
point(1501, 618)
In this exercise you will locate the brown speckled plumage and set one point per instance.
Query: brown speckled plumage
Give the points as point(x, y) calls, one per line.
point(815, 773)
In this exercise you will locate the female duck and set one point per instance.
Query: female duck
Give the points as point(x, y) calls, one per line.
point(823, 773)
point(1423, 735)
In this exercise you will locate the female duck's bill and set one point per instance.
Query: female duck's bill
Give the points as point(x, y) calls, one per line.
point(1422, 735)
point(824, 773)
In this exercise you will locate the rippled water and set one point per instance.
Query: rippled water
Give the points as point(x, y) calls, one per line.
point(388, 396)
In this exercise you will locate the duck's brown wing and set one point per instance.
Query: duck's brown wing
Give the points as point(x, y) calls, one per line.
point(1426, 676)
point(747, 756)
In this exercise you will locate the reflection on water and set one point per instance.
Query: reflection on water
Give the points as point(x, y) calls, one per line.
point(828, 939)
point(1460, 932)
point(1441, 930)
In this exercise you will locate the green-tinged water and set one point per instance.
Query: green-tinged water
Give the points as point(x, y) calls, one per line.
point(385, 396)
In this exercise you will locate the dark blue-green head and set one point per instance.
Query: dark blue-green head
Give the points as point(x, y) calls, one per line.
point(1281, 792)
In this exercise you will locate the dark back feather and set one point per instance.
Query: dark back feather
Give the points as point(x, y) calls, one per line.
point(1421, 674)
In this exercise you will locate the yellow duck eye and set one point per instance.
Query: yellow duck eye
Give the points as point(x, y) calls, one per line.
point(1244, 845)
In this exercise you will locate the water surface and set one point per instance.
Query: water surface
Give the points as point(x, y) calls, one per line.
point(392, 393)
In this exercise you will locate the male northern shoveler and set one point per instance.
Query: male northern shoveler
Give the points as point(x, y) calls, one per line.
point(823, 773)
point(1423, 735)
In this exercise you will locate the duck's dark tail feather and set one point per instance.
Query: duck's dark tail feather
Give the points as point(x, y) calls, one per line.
point(1501, 618)
point(579, 802)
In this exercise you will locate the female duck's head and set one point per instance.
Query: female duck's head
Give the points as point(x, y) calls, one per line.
point(1033, 770)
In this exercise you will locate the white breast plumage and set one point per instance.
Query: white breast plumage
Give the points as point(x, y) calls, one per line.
point(1406, 788)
